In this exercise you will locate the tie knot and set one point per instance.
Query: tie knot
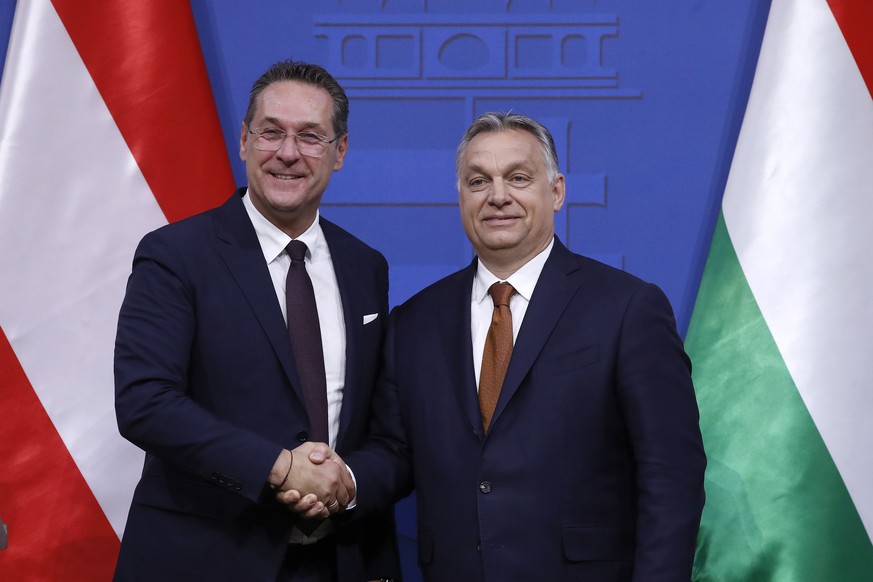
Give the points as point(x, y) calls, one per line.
point(296, 249)
point(500, 293)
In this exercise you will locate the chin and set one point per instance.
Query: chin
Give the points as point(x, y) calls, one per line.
point(499, 242)
point(281, 197)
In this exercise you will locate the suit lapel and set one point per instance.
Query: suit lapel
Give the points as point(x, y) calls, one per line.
point(554, 290)
point(239, 248)
point(457, 345)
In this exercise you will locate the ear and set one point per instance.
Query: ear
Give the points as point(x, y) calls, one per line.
point(243, 134)
point(559, 191)
point(342, 145)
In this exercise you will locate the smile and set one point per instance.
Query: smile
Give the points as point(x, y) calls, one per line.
point(285, 176)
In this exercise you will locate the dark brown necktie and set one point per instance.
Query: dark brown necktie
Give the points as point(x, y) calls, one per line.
point(305, 337)
point(498, 350)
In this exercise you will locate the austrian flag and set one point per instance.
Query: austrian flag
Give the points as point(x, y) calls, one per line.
point(94, 99)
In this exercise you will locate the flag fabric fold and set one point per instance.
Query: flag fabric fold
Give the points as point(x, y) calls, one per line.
point(781, 332)
point(108, 129)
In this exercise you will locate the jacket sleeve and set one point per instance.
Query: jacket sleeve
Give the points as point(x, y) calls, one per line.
point(154, 406)
point(659, 406)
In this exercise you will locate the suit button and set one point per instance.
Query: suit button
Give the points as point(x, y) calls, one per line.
point(302, 436)
point(478, 547)
point(215, 476)
point(485, 487)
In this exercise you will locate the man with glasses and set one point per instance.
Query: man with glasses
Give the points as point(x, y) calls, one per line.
point(248, 333)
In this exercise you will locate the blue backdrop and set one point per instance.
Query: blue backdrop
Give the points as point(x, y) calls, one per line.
point(644, 99)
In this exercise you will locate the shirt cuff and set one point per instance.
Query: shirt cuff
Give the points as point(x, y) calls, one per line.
point(354, 501)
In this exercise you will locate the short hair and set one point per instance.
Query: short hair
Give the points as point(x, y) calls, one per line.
point(495, 122)
point(304, 73)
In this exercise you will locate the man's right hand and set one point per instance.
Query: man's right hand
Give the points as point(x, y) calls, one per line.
point(317, 484)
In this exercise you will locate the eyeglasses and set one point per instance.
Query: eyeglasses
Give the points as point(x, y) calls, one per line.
point(309, 144)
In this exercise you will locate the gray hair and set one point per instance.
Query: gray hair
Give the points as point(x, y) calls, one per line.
point(495, 122)
point(311, 75)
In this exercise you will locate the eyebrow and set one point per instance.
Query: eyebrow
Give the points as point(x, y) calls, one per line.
point(307, 125)
point(514, 167)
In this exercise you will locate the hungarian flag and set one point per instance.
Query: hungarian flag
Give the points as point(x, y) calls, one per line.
point(782, 331)
point(108, 130)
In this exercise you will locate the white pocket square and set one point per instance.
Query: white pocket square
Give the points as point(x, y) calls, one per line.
point(370, 317)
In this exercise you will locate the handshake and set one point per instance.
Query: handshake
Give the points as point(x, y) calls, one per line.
point(312, 480)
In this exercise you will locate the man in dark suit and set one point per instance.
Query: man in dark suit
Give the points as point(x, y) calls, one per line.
point(586, 463)
point(223, 397)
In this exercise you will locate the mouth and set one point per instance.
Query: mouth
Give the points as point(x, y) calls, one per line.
point(285, 177)
point(499, 220)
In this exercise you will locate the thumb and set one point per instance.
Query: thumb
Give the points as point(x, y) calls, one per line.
point(320, 453)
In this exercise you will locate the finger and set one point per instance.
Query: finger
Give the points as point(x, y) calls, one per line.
point(289, 498)
point(333, 506)
point(306, 503)
point(317, 511)
point(343, 495)
point(323, 514)
point(348, 484)
point(294, 503)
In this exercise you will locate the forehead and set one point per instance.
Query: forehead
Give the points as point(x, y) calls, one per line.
point(294, 103)
point(510, 147)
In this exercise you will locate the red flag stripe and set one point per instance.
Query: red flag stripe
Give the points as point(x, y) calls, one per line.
point(56, 527)
point(855, 18)
point(158, 94)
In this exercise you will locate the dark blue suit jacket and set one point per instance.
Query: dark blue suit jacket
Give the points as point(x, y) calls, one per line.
point(206, 384)
point(593, 467)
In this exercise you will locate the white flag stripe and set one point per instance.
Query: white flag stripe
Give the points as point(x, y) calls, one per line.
point(799, 211)
point(68, 236)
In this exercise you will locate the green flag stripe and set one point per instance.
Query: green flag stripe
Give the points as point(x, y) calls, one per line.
point(776, 507)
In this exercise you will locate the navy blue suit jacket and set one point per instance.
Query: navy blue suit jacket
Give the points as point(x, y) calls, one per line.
point(593, 466)
point(206, 384)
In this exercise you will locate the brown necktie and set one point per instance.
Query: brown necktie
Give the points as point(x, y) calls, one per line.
point(305, 334)
point(498, 350)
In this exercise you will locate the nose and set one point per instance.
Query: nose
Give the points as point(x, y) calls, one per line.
point(498, 196)
point(288, 149)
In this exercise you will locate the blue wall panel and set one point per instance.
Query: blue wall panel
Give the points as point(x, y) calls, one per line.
point(644, 101)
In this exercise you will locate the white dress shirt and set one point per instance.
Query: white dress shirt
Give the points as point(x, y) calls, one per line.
point(319, 266)
point(523, 280)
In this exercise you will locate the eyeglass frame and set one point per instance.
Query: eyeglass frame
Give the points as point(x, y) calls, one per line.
point(322, 140)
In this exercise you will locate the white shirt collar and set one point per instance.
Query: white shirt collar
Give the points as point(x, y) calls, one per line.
point(273, 240)
point(523, 280)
